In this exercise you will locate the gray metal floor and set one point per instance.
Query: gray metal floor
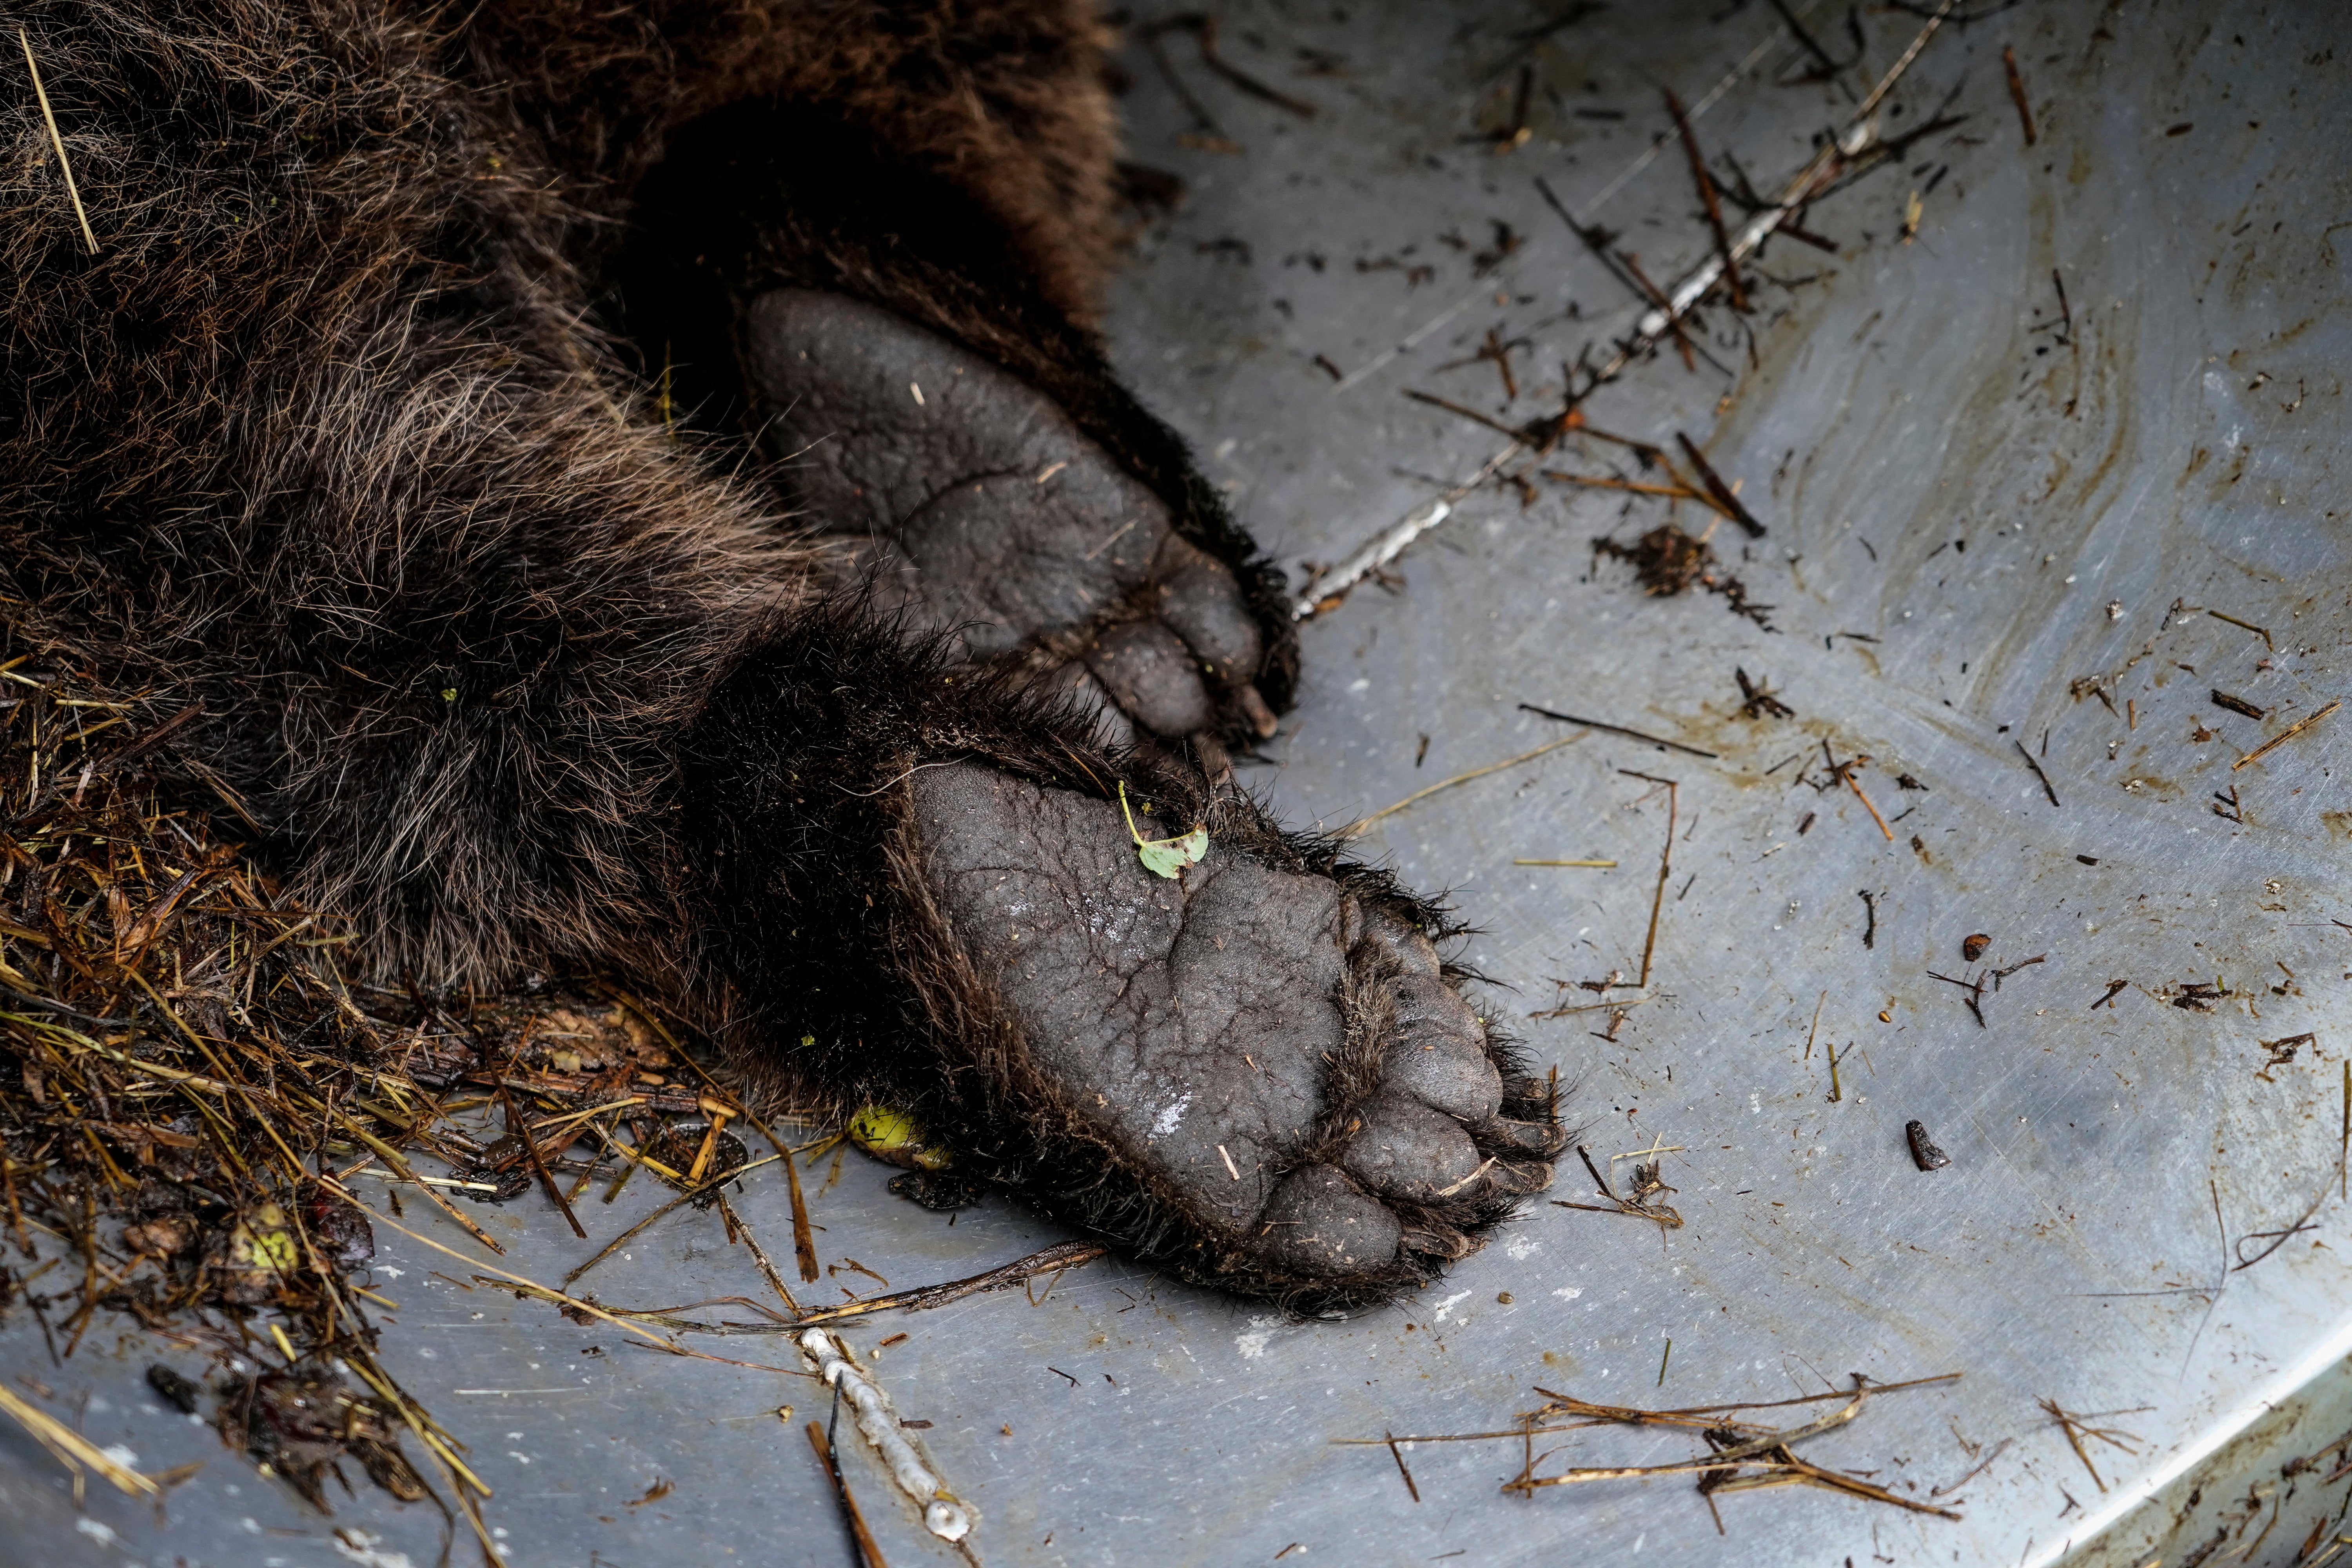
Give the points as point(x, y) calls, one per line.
point(2175, 437)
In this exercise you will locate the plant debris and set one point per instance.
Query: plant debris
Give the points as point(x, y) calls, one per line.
point(1743, 1456)
point(1642, 1203)
point(2284, 736)
point(2077, 1427)
point(1761, 700)
point(190, 1090)
point(1165, 857)
point(1666, 562)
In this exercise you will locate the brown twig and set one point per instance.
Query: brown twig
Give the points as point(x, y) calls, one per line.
point(1617, 730)
point(870, 1555)
point(2017, 92)
point(2078, 1427)
point(2284, 736)
point(1463, 410)
point(2248, 626)
point(1362, 823)
point(516, 1125)
point(1754, 1448)
point(1706, 195)
point(1665, 864)
point(1844, 772)
point(688, 1195)
point(2047, 788)
point(1398, 1455)
point(1723, 493)
point(1052, 1259)
point(1608, 482)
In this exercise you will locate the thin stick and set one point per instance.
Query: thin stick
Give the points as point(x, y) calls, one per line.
point(569, 1117)
point(1628, 1414)
point(573, 1301)
point(1788, 1469)
point(1666, 1219)
point(2284, 736)
point(759, 1255)
point(804, 1239)
point(1714, 206)
point(1060, 1256)
point(2066, 1424)
point(2051, 793)
point(391, 1156)
point(1471, 414)
point(530, 1148)
point(1362, 823)
point(869, 1553)
point(1721, 1458)
point(1603, 482)
point(1665, 863)
point(1724, 498)
point(1855, 786)
point(1398, 1455)
point(71, 1449)
point(803, 1242)
point(2248, 626)
point(2017, 92)
point(64, 166)
point(1617, 730)
point(718, 1181)
point(1982, 1465)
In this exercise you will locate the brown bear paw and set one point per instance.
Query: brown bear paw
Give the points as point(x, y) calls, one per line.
point(1263, 1076)
point(975, 507)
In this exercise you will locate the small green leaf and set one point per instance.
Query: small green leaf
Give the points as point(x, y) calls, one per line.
point(1169, 856)
point(1165, 857)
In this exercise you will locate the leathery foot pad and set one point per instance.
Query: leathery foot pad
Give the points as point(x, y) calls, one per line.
point(1261, 1074)
point(971, 505)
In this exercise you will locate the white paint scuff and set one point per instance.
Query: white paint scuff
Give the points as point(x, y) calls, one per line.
point(1252, 1340)
point(1449, 1304)
point(1165, 1122)
point(944, 1515)
point(359, 1546)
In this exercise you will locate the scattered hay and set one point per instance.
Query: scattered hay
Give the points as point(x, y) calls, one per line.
point(189, 1082)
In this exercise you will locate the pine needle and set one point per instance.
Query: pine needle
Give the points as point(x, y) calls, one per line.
point(65, 166)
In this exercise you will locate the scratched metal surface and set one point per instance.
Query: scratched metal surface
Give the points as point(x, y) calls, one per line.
point(2182, 442)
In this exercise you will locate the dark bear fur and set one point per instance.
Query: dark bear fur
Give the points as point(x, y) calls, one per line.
point(326, 452)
